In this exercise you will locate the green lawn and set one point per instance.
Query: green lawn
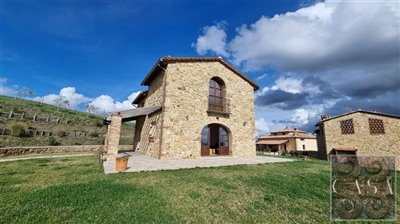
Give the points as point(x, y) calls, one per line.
point(75, 190)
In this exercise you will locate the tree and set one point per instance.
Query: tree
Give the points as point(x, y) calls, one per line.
point(89, 108)
point(23, 93)
point(60, 101)
point(66, 103)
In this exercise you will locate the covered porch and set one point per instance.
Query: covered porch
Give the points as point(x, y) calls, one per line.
point(271, 145)
point(114, 122)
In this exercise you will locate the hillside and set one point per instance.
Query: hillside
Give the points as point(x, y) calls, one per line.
point(30, 123)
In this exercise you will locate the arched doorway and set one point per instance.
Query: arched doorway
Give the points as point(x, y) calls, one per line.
point(214, 140)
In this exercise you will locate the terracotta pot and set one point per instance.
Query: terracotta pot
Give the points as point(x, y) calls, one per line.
point(121, 164)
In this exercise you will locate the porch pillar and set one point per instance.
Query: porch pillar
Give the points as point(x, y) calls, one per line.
point(113, 134)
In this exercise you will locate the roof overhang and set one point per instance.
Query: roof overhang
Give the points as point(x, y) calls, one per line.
point(345, 149)
point(271, 142)
point(140, 97)
point(358, 111)
point(162, 64)
point(133, 114)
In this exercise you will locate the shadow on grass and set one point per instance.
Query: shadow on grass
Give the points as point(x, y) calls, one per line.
point(91, 202)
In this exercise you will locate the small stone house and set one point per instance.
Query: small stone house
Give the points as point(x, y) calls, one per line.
point(359, 132)
point(288, 140)
point(193, 107)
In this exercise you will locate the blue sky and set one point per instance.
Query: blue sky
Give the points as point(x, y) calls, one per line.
point(306, 56)
point(53, 45)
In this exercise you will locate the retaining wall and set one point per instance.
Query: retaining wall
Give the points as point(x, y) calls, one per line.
point(16, 151)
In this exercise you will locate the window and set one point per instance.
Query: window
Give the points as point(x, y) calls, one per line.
point(223, 137)
point(152, 131)
point(216, 99)
point(376, 126)
point(347, 126)
point(204, 136)
point(304, 147)
point(302, 139)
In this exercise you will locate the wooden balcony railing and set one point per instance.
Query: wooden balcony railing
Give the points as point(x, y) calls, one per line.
point(218, 104)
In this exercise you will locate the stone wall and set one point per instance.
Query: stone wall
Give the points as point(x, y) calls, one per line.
point(149, 143)
point(186, 104)
point(309, 143)
point(146, 144)
point(17, 151)
point(366, 143)
point(155, 94)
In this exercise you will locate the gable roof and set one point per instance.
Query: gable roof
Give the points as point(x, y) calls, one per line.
point(164, 61)
point(140, 97)
point(360, 111)
point(133, 114)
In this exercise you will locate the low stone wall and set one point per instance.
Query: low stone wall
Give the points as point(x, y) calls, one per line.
point(16, 151)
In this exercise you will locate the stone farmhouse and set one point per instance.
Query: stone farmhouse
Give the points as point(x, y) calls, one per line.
point(193, 107)
point(359, 132)
point(288, 140)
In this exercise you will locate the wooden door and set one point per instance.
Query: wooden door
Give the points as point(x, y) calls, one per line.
point(223, 141)
point(205, 141)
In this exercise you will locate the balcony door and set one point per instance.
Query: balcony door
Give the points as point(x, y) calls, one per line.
point(216, 95)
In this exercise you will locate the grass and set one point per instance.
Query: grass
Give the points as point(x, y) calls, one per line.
point(78, 121)
point(75, 190)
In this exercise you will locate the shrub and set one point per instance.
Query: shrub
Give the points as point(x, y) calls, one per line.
point(94, 134)
point(284, 153)
point(19, 129)
point(53, 141)
point(99, 123)
point(61, 134)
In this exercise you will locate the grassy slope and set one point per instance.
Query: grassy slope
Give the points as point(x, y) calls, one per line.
point(75, 190)
point(77, 121)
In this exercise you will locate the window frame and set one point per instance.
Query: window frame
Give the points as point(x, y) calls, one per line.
point(347, 127)
point(373, 128)
point(216, 95)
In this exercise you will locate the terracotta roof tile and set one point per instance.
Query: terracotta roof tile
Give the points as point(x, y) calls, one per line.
point(358, 111)
point(271, 142)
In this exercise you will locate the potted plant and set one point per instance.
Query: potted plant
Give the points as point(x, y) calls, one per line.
point(121, 163)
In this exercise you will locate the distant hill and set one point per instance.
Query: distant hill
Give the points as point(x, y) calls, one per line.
point(30, 123)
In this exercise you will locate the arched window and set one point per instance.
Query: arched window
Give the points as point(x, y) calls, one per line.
point(216, 98)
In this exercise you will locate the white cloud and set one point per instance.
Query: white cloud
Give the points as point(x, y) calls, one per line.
point(291, 85)
point(261, 77)
point(5, 89)
point(262, 126)
point(106, 104)
point(69, 93)
point(213, 39)
point(334, 54)
point(300, 116)
point(316, 37)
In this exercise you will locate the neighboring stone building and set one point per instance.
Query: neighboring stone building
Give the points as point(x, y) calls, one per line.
point(193, 107)
point(363, 132)
point(288, 140)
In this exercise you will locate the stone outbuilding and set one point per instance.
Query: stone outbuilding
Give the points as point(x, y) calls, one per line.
point(359, 132)
point(288, 140)
point(193, 107)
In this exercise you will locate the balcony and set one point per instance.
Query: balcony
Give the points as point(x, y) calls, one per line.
point(218, 105)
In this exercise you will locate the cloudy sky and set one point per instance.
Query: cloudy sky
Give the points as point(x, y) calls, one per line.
point(309, 57)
